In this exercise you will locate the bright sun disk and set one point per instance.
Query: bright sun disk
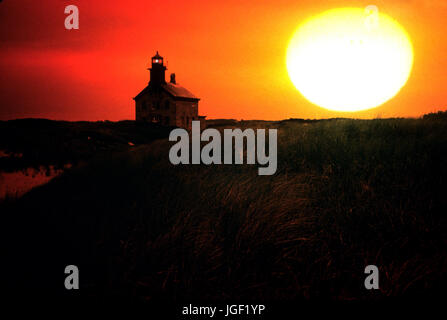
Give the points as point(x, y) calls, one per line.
point(349, 59)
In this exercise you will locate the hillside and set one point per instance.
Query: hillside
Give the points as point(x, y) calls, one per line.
point(347, 193)
point(40, 142)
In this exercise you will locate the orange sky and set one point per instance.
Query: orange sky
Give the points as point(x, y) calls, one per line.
point(229, 53)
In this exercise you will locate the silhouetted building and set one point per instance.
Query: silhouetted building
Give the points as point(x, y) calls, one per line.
point(164, 102)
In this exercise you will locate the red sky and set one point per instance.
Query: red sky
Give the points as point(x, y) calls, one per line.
point(229, 53)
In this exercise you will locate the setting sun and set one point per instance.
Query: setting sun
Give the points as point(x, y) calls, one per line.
point(349, 59)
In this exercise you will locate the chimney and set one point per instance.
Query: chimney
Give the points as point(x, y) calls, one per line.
point(173, 78)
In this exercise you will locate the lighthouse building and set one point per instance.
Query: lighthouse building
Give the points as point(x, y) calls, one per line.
point(166, 103)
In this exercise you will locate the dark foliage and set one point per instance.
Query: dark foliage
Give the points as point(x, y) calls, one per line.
point(440, 115)
point(347, 193)
point(41, 142)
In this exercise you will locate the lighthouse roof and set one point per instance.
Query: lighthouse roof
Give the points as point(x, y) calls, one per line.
point(157, 56)
point(174, 90)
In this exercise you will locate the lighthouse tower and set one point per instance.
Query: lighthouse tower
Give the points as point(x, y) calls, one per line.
point(157, 71)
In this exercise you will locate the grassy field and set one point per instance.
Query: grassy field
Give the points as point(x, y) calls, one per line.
point(347, 193)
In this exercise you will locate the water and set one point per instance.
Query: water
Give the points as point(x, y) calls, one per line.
point(16, 184)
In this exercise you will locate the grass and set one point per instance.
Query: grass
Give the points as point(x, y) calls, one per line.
point(347, 193)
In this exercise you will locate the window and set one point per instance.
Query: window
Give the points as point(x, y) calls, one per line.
point(155, 105)
point(167, 104)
